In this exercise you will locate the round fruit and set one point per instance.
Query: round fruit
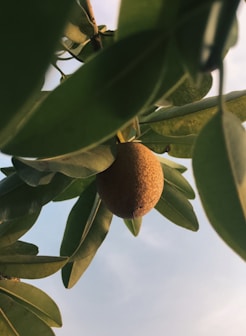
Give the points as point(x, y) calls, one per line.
point(133, 184)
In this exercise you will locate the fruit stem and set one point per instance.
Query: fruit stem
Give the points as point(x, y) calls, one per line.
point(137, 127)
point(120, 137)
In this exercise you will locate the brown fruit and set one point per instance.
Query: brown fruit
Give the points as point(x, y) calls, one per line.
point(133, 184)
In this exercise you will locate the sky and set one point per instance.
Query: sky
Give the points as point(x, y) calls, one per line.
point(168, 280)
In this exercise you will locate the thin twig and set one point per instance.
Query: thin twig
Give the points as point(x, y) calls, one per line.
point(221, 86)
point(95, 39)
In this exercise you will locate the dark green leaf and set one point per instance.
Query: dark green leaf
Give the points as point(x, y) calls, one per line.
point(22, 320)
point(77, 165)
point(30, 267)
point(193, 16)
point(75, 189)
point(11, 230)
point(166, 143)
point(176, 179)
point(77, 221)
point(141, 16)
point(189, 91)
point(30, 175)
point(34, 300)
point(134, 225)
point(175, 206)
point(220, 22)
point(88, 107)
point(34, 28)
point(17, 199)
point(19, 247)
point(7, 170)
point(220, 174)
point(94, 232)
point(6, 327)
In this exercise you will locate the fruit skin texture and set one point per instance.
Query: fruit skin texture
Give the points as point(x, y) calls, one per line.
point(133, 184)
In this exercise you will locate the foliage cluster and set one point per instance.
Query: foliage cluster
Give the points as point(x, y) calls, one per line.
point(145, 81)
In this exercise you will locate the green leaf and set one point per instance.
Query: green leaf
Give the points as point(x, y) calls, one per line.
point(93, 233)
point(172, 164)
point(134, 225)
point(11, 230)
point(22, 320)
point(77, 221)
point(6, 327)
point(142, 16)
point(34, 300)
point(77, 165)
point(34, 28)
point(219, 25)
point(88, 108)
point(17, 199)
point(175, 206)
point(176, 179)
point(75, 189)
point(7, 170)
point(189, 91)
point(220, 173)
point(167, 143)
point(190, 118)
point(30, 175)
point(19, 247)
point(193, 16)
point(30, 267)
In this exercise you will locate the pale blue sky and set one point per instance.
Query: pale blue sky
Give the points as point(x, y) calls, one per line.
point(167, 281)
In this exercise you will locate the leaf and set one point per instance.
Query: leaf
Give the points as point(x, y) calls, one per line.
point(11, 230)
point(22, 320)
point(189, 91)
point(174, 206)
point(35, 29)
point(134, 225)
point(34, 300)
point(172, 164)
point(91, 237)
point(88, 108)
point(77, 165)
point(30, 175)
point(190, 118)
point(220, 174)
point(193, 16)
point(141, 16)
point(19, 247)
point(30, 267)
point(219, 25)
point(166, 143)
point(7, 170)
point(6, 328)
point(75, 189)
point(77, 221)
point(17, 199)
point(176, 179)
